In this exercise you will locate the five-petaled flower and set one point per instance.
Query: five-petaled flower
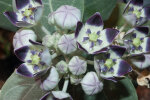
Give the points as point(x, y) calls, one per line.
point(137, 14)
point(36, 58)
point(26, 12)
point(92, 38)
point(136, 40)
point(110, 65)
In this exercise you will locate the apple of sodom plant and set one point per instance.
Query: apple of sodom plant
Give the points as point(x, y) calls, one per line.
point(78, 49)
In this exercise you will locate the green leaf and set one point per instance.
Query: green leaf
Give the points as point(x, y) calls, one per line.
point(20, 88)
point(99, 96)
point(122, 90)
point(105, 7)
point(116, 19)
point(76, 3)
point(6, 5)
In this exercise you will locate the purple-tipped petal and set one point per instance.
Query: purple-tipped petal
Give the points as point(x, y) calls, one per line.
point(78, 28)
point(45, 97)
point(103, 50)
point(142, 30)
point(137, 2)
point(116, 51)
point(12, 16)
point(109, 35)
point(123, 69)
point(130, 18)
point(35, 43)
point(95, 20)
point(21, 53)
point(21, 3)
point(148, 44)
point(25, 70)
point(141, 61)
point(80, 47)
point(23, 24)
point(39, 1)
point(147, 12)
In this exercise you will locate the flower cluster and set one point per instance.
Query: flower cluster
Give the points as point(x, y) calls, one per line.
point(61, 54)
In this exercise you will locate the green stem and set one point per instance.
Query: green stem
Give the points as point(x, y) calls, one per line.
point(65, 85)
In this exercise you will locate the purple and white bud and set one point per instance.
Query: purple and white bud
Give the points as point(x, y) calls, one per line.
point(91, 84)
point(66, 17)
point(67, 43)
point(77, 66)
point(75, 79)
point(51, 40)
point(51, 81)
point(62, 67)
point(22, 37)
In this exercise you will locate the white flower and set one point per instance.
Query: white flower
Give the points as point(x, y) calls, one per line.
point(22, 37)
point(66, 17)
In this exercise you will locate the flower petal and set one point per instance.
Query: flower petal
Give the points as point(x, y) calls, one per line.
point(137, 2)
point(51, 81)
point(147, 12)
point(116, 51)
point(139, 32)
point(38, 1)
point(130, 18)
point(12, 16)
point(108, 35)
point(95, 20)
point(21, 3)
point(38, 13)
point(22, 52)
point(120, 68)
point(78, 29)
point(26, 70)
point(46, 57)
point(60, 95)
point(141, 61)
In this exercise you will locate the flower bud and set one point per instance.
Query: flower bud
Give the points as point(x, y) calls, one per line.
point(22, 37)
point(51, 81)
point(66, 17)
point(62, 67)
point(77, 66)
point(51, 40)
point(91, 84)
point(67, 43)
point(75, 79)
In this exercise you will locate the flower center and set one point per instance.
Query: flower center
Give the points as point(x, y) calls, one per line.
point(137, 42)
point(35, 59)
point(109, 63)
point(137, 13)
point(27, 12)
point(93, 37)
